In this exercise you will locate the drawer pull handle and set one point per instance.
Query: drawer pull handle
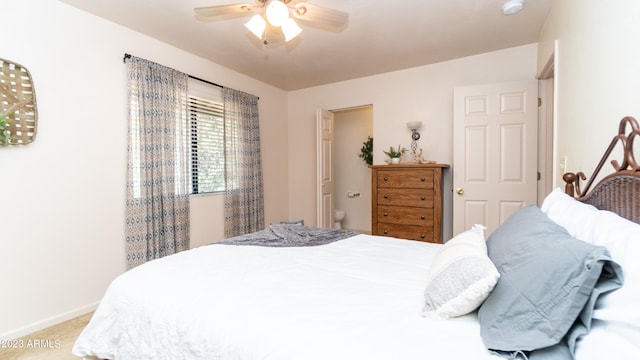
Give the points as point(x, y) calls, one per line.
point(385, 214)
point(422, 217)
point(422, 198)
point(422, 179)
point(386, 178)
point(386, 232)
point(421, 236)
point(386, 196)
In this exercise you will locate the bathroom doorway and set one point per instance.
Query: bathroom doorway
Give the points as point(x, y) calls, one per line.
point(352, 187)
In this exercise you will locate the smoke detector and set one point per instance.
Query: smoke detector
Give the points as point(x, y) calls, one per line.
point(512, 6)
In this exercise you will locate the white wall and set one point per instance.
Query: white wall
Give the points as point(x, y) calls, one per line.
point(352, 174)
point(206, 225)
point(597, 74)
point(423, 93)
point(63, 197)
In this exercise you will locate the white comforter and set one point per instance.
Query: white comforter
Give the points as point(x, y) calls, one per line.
point(358, 298)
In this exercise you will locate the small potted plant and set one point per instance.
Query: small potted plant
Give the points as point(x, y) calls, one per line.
point(366, 153)
point(395, 154)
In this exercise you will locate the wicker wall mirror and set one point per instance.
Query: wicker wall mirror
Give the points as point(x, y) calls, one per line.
point(18, 112)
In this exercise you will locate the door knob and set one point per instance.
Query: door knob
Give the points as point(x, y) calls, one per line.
point(460, 191)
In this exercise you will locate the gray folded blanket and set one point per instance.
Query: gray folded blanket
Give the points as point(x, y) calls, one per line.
point(289, 235)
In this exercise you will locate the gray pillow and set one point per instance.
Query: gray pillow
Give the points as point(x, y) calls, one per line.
point(549, 283)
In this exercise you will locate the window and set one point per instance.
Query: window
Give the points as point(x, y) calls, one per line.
point(207, 145)
point(206, 115)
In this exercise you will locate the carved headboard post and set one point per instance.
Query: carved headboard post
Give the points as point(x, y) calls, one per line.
point(572, 186)
point(569, 179)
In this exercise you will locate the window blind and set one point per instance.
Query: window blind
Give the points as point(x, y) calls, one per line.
point(207, 145)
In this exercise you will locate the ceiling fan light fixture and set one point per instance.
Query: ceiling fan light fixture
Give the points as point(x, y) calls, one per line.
point(277, 13)
point(290, 29)
point(273, 21)
point(512, 6)
point(256, 25)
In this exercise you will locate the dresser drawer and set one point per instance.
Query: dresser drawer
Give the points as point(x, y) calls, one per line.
point(406, 197)
point(407, 232)
point(418, 178)
point(405, 215)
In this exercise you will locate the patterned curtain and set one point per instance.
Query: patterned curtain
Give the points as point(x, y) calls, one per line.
point(157, 221)
point(244, 198)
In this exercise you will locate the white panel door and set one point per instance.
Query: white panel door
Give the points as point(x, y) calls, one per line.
point(494, 152)
point(325, 135)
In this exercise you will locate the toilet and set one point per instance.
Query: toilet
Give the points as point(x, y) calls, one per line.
point(338, 216)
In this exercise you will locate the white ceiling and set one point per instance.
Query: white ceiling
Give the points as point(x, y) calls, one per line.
point(382, 36)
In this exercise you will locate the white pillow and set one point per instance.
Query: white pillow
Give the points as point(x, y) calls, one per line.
point(461, 276)
point(574, 216)
point(620, 236)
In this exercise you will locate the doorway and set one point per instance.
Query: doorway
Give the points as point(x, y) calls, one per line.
point(551, 174)
point(351, 175)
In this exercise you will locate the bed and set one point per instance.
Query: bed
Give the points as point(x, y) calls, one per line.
point(558, 281)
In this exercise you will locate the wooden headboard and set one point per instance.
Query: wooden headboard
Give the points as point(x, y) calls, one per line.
point(619, 191)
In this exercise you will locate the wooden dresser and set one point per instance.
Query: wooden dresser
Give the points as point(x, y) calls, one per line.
point(406, 201)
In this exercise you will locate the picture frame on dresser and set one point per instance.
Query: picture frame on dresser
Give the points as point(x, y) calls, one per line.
point(406, 201)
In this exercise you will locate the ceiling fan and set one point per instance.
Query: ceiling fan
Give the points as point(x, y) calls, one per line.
point(274, 19)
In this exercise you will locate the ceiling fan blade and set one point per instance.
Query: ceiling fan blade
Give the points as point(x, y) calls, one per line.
point(322, 17)
point(292, 2)
point(221, 12)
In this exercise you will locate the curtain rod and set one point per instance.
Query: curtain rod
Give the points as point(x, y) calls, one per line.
point(128, 56)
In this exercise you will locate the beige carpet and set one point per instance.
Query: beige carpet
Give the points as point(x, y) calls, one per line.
point(53, 343)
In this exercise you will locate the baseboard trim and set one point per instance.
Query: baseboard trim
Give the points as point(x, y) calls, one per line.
point(45, 323)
